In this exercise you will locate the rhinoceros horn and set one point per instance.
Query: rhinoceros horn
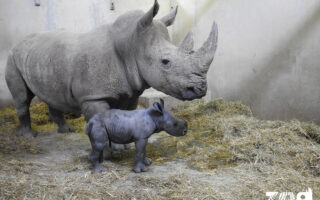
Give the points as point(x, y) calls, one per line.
point(169, 18)
point(187, 43)
point(147, 18)
point(206, 52)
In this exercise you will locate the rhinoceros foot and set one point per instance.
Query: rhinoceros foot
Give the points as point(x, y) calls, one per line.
point(26, 133)
point(65, 128)
point(140, 167)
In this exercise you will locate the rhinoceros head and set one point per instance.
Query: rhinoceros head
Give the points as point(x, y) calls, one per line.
point(177, 71)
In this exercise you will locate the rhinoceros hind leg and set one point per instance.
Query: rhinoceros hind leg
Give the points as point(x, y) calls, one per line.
point(22, 97)
point(23, 113)
point(58, 118)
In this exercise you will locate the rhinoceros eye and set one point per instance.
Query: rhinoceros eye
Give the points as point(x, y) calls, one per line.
point(165, 61)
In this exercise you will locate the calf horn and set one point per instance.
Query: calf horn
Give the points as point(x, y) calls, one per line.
point(206, 52)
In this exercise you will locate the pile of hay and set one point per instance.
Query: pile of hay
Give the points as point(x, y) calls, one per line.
point(227, 154)
point(284, 156)
point(223, 133)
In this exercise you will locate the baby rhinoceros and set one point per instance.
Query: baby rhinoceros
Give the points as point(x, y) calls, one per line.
point(123, 127)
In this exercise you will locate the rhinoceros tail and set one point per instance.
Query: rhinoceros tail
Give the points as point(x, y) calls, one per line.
point(88, 127)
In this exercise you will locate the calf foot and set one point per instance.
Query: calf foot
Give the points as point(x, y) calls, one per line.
point(26, 133)
point(98, 169)
point(147, 161)
point(65, 128)
point(140, 167)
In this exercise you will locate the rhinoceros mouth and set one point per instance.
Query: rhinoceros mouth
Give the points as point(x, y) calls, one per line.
point(192, 92)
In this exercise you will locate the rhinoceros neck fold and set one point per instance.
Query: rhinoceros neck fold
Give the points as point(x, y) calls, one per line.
point(123, 32)
point(130, 66)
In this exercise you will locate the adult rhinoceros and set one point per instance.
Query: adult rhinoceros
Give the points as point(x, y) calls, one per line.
point(108, 67)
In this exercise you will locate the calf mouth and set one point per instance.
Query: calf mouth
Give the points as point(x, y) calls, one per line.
point(184, 132)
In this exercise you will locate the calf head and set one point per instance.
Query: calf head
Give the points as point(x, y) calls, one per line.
point(165, 121)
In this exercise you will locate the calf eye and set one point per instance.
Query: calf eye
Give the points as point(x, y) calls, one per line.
point(165, 61)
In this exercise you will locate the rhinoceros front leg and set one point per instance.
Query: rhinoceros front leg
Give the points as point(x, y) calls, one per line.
point(58, 118)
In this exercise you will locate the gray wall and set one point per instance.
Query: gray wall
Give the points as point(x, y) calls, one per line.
point(268, 53)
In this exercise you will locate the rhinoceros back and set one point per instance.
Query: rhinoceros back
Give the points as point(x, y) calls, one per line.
point(43, 61)
point(63, 68)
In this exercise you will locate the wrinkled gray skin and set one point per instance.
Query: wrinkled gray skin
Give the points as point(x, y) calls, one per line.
point(124, 127)
point(108, 67)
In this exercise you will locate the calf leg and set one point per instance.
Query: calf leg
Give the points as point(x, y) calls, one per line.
point(107, 152)
point(98, 142)
point(140, 156)
point(22, 97)
point(58, 118)
point(95, 159)
point(101, 157)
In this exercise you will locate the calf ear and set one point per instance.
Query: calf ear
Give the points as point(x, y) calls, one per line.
point(162, 103)
point(157, 107)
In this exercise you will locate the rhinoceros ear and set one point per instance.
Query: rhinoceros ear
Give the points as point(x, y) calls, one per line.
point(169, 18)
point(147, 18)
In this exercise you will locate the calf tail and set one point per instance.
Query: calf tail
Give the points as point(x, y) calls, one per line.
point(88, 127)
